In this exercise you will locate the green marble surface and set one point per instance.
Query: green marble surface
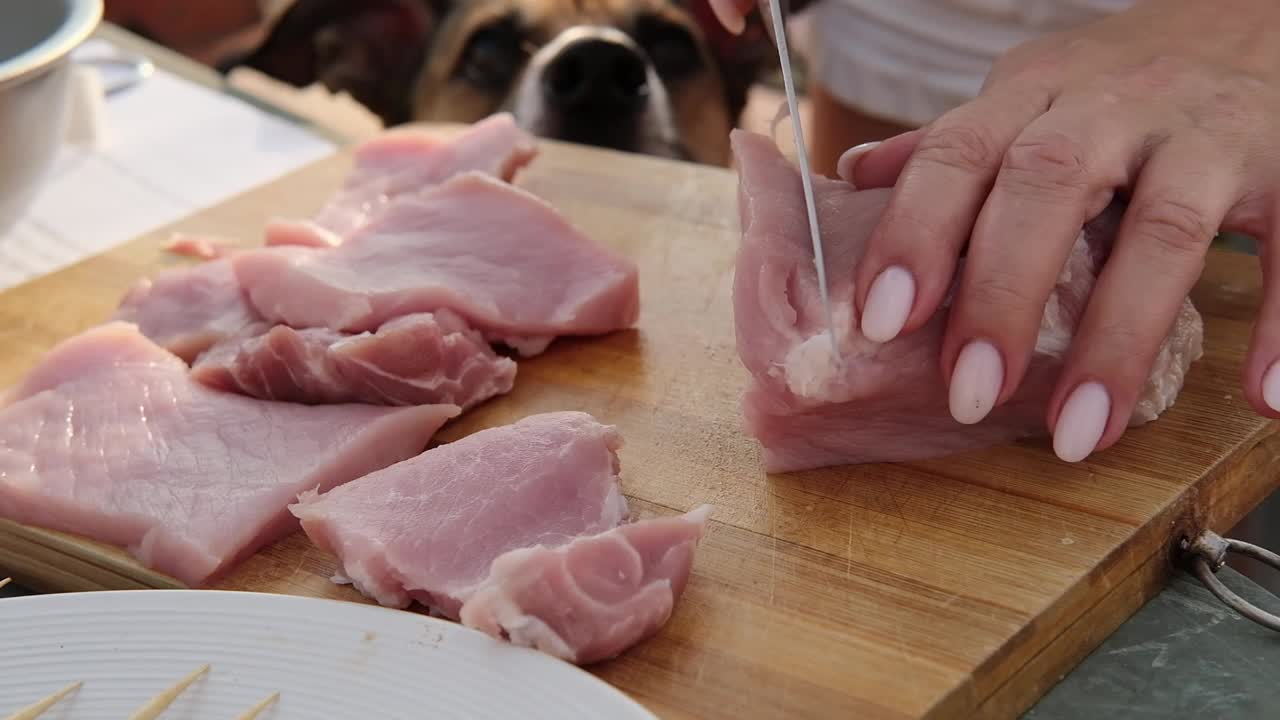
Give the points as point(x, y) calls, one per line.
point(1183, 655)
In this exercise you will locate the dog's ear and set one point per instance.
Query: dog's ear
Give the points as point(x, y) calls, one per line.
point(371, 49)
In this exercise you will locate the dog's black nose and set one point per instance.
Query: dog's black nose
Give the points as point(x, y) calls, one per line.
point(604, 76)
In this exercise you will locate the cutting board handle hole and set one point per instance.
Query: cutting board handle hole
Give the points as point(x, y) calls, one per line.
point(1207, 553)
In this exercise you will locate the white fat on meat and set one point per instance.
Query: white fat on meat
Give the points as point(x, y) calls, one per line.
point(503, 259)
point(203, 247)
point(306, 233)
point(186, 310)
point(595, 597)
point(425, 358)
point(108, 437)
point(428, 528)
point(409, 160)
point(883, 402)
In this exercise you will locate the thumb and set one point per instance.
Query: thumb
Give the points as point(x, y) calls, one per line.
point(878, 164)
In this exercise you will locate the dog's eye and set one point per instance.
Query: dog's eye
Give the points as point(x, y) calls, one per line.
point(493, 56)
point(670, 47)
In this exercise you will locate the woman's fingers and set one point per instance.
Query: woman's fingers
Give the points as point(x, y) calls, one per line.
point(931, 212)
point(1060, 171)
point(1183, 193)
point(1262, 369)
point(878, 164)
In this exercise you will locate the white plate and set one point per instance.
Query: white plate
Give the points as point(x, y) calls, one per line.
point(326, 658)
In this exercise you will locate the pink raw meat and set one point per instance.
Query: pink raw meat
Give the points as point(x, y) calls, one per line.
point(188, 309)
point(593, 598)
point(413, 360)
point(409, 160)
point(889, 403)
point(503, 259)
point(108, 437)
point(428, 528)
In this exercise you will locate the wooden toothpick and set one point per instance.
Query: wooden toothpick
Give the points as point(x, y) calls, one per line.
point(31, 712)
point(161, 702)
point(260, 708)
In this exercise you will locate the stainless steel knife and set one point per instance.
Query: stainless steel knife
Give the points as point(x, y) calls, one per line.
point(777, 29)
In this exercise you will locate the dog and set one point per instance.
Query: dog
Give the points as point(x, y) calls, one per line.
point(658, 77)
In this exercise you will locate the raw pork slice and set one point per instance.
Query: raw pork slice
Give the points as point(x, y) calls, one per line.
point(593, 598)
point(409, 160)
point(428, 528)
point(413, 360)
point(888, 403)
point(503, 259)
point(110, 438)
point(188, 309)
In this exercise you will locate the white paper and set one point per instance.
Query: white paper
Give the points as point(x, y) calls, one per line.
point(171, 147)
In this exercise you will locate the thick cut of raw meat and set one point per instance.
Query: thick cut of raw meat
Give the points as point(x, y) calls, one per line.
point(405, 161)
point(889, 401)
point(595, 597)
point(188, 309)
point(503, 259)
point(428, 528)
point(417, 359)
point(110, 438)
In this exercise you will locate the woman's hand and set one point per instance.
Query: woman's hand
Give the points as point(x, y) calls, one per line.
point(1175, 101)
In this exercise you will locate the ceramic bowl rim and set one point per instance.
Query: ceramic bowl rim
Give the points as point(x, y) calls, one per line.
point(81, 20)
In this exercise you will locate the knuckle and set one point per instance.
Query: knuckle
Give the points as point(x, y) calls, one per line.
point(1121, 340)
point(998, 294)
point(904, 229)
point(1050, 162)
point(962, 146)
point(1174, 227)
point(1126, 351)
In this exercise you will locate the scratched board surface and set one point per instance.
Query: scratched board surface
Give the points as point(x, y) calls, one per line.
point(956, 587)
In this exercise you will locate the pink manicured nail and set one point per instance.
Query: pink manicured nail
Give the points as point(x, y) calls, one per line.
point(888, 304)
point(848, 162)
point(976, 382)
point(1271, 386)
point(1082, 421)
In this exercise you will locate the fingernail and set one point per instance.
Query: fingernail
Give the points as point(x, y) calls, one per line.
point(1082, 421)
point(1271, 386)
point(732, 19)
point(848, 162)
point(976, 382)
point(888, 304)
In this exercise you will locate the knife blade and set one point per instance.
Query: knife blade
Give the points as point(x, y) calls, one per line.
point(777, 30)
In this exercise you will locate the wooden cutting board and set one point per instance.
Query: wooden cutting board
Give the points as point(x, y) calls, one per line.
point(958, 587)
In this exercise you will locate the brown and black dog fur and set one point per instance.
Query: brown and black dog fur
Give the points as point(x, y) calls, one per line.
point(659, 77)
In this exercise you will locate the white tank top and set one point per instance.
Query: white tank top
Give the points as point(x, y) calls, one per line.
point(910, 61)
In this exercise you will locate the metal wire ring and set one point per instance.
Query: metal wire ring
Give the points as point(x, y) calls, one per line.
point(1209, 555)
